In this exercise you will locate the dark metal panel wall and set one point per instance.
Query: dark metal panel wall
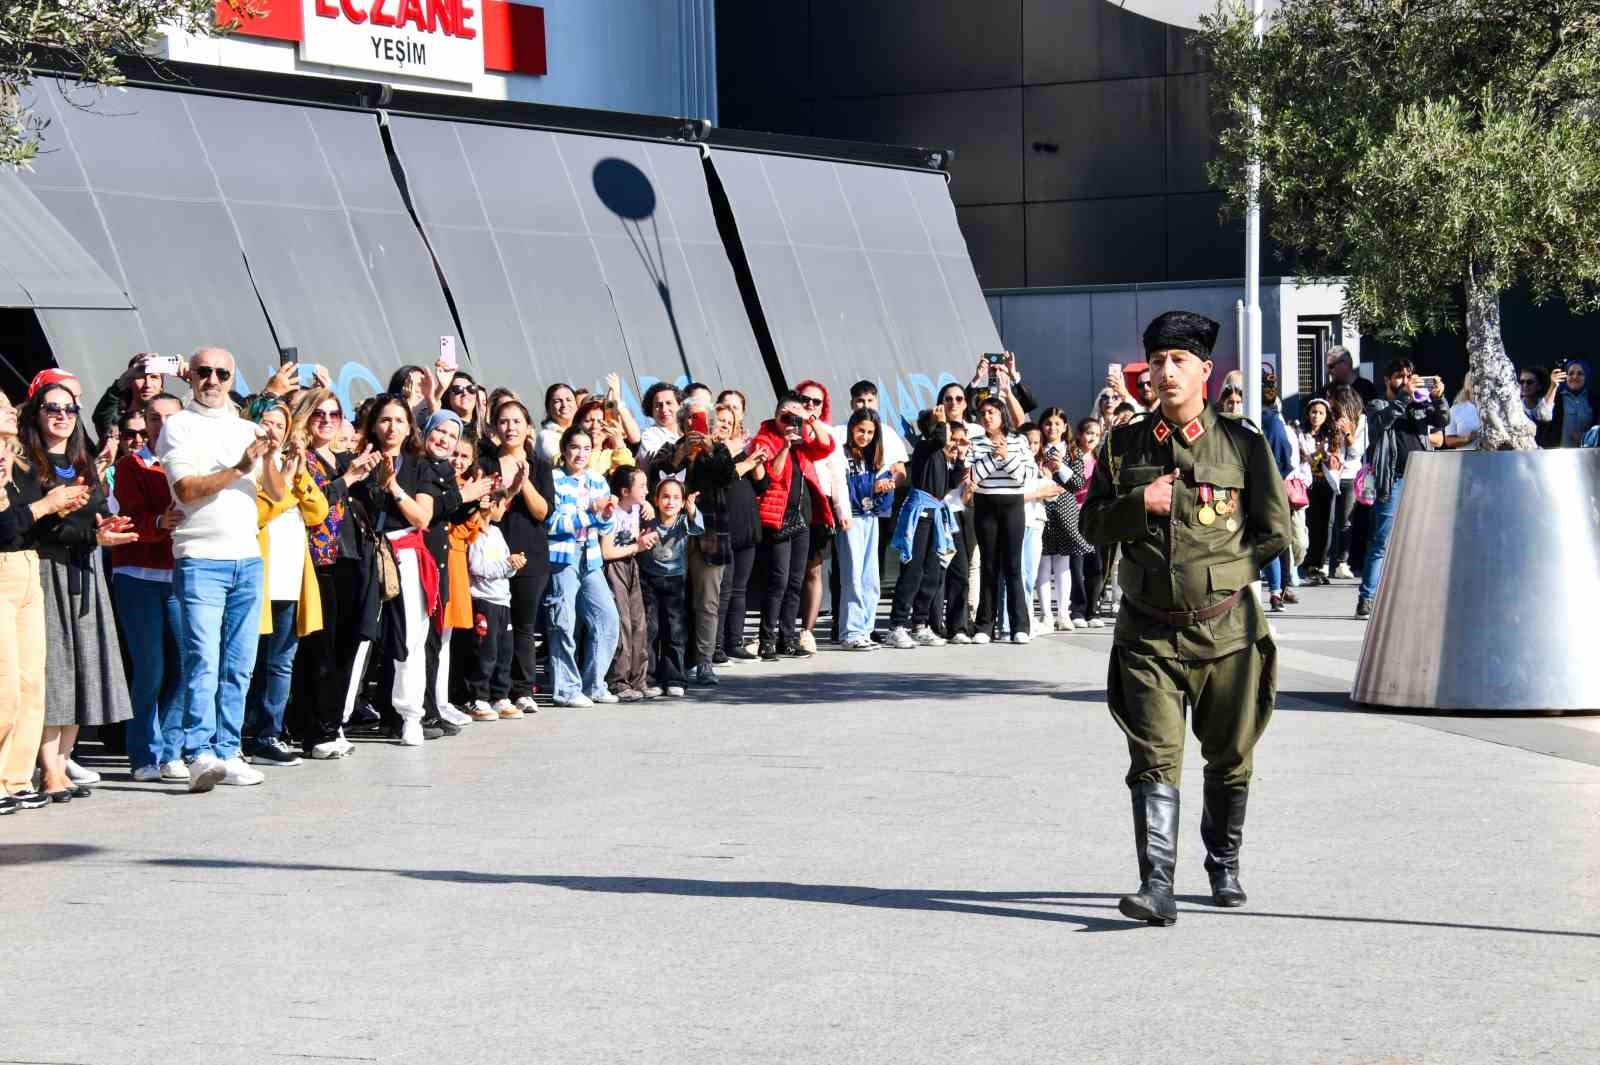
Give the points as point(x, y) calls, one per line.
point(1096, 241)
point(1110, 138)
point(1088, 40)
point(861, 272)
point(908, 46)
point(570, 256)
point(995, 234)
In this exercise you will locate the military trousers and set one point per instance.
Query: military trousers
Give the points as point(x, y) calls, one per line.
point(1229, 699)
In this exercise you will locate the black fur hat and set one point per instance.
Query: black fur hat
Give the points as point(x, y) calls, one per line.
point(1181, 329)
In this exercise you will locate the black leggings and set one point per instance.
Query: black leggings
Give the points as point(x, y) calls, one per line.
point(1000, 521)
point(527, 592)
point(1087, 577)
point(1330, 538)
point(949, 614)
point(786, 571)
point(324, 660)
point(735, 579)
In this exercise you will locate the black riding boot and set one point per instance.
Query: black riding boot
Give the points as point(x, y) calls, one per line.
point(1222, 829)
point(1155, 836)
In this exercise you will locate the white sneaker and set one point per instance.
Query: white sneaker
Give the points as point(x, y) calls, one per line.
point(900, 639)
point(1079, 623)
point(1020, 637)
point(454, 716)
point(206, 772)
point(330, 750)
point(860, 643)
point(808, 642)
point(961, 638)
point(1343, 573)
point(411, 734)
point(175, 772)
point(674, 691)
point(147, 774)
point(480, 710)
point(1097, 623)
point(1042, 626)
point(577, 701)
point(527, 705)
point(605, 698)
point(928, 638)
point(79, 775)
point(982, 637)
point(237, 773)
point(1064, 625)
point(507, 710)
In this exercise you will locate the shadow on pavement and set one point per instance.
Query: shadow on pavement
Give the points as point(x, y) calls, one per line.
point(980, 903)
point(872, 685)
point(37, 853)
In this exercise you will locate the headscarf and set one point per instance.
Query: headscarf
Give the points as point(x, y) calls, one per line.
point(440, 417)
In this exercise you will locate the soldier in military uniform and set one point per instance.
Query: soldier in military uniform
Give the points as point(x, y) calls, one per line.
point(1195, 501)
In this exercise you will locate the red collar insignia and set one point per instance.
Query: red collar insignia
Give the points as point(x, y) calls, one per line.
point(1162, 431)
point(1190, 432)
point(1193, 431)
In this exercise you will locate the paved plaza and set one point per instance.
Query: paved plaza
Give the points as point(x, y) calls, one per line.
point(879, 858)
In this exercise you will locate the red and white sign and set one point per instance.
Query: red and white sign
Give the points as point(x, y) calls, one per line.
point(438, 39)
point(445, 40)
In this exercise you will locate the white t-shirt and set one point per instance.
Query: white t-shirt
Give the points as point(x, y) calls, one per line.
point(1464, 421)
point(198, 441)
point(286, 550)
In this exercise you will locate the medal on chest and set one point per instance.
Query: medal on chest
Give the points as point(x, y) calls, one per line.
point(1207, 514)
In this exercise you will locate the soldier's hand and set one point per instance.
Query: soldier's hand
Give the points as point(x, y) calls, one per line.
point(1158, 495)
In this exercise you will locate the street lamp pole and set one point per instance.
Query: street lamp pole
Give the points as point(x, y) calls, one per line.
point(1252, 253)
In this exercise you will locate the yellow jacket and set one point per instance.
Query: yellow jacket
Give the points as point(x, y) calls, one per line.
point(313, 505)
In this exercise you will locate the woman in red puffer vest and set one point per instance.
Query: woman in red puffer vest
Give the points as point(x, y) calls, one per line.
point(790, 506)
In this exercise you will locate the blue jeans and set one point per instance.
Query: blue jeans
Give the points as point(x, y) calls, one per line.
point(859, 583)
point(1032, 548)
point(219, 612)
point(1272, 573)
point(149, 613)
point(585, 600)
point(1378, 541)
point(269, 688)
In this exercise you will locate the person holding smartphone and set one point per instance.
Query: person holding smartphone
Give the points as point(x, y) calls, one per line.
point(792, 504)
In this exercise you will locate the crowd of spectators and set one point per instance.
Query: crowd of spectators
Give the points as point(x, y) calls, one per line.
point(221, 583)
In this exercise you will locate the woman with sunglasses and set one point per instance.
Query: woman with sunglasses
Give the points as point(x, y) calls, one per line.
point(83, 657)
point(830, 475)
point(324, 685)
point(461, 398)
point(291, 607)
point(524, 531)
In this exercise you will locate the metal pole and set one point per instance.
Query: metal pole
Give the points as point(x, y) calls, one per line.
point(1252, 255)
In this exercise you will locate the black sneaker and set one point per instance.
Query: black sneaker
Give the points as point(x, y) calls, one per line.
point(8, 805)
point(703, 676)
point(446, 728)
point(32, 799)
point(1363, 608)
point(741, 654)
point(769, 653)
point(272, 752)
point(719, 657)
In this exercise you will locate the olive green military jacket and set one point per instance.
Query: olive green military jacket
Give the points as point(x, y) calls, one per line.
point(1230, 517)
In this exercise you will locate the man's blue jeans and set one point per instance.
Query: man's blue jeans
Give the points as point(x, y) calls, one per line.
point(269, 687)
point(219, 608)
point(576, 602)
point(1378, 542)
point(149, 614)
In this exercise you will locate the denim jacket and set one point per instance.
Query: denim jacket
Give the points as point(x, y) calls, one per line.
point(944, 526)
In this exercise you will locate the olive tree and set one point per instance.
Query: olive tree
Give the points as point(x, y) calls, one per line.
point(1428, 151)
point(82, 39)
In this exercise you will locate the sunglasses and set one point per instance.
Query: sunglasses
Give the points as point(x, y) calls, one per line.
point(460, 390)
point(812, 401)
point(327, 416)
point(132, 432)
point(56, 410)
point(221, 373)
point(1527, 381)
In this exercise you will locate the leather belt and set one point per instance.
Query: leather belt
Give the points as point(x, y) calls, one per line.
point(1182, 618)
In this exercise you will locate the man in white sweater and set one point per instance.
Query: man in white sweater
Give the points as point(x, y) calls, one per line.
point(212, 459)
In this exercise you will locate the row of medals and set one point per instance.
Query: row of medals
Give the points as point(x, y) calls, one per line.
point(1224, 507)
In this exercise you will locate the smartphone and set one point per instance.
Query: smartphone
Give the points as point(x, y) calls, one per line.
point(1114, 368)
point(288, 355)
point(447, 353)
point(165, 364)
point(700, 422)
point(996, 358)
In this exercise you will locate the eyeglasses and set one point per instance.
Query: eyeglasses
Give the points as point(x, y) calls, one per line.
point(57, 410)
point(222, 373)
point(954, 397)
point(327, 416)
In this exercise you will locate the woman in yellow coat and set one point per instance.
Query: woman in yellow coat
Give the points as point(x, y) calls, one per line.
point(292, 607)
